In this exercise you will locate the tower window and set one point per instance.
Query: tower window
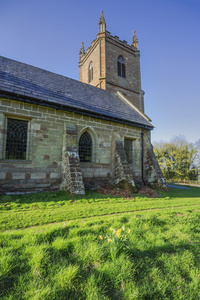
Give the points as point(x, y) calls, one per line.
point(121, 67)
point(91, 71)
point(85, 147)
point(16, 141)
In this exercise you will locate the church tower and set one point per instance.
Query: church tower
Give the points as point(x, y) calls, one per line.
point(113, 65)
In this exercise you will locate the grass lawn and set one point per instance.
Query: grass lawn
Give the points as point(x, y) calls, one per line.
point(100, 247)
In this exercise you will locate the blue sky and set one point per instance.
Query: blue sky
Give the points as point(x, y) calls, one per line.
point(48, 34)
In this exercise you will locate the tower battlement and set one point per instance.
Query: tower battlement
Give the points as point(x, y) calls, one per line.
point(112, 64)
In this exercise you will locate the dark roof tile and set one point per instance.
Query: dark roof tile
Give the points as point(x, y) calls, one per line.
point(29, 81)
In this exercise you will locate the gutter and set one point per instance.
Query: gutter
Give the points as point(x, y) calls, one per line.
point(45, 103)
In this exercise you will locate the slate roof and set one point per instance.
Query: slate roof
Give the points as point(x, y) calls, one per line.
point(42, 87)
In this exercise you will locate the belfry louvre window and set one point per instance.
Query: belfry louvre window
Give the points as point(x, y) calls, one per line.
point(121, 67)
point(85, 147)
point(16, 141)
point(91, 71)
point(128, 147)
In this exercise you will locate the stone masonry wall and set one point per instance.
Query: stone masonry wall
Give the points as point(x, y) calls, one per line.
point(42, 170)
point(131, 85)
point(96, 54)
point(104, 52)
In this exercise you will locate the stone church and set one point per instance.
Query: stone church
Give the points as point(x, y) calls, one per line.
point(59, 133)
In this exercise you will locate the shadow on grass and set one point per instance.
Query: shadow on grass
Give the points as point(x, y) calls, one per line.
point(57, 196)
point(193, 192)
point(9, 279)
point(90, 197)
point(143, 264)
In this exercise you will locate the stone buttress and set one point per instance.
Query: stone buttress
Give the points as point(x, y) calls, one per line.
point(72, 179)
point(121, 170)
point(153, 176)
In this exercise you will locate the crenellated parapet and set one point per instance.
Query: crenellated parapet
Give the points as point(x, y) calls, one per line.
point(133, 47)
point(105, 34)
point(101, 65)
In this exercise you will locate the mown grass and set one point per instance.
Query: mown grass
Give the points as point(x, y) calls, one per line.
point(67, 260)
point(43, 208)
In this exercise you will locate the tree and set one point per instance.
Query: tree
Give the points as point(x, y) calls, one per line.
point(177, 159)
point(197, 144)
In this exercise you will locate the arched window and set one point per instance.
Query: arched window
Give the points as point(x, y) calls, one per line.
point(121, 67)
point(91, 71)
point(85, 147)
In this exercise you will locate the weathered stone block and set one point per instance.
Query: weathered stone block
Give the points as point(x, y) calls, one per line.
point(38, 175)
point(54, 175)
point(2, 175)
point(18, 175)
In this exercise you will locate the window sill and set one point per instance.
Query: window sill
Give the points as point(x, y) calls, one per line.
point(16, 161)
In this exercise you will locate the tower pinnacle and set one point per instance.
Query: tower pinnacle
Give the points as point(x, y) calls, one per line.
point(102, 23)
point(82, 50)
point(135, 40)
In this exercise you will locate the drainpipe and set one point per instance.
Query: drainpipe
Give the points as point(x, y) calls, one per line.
point(142, 155)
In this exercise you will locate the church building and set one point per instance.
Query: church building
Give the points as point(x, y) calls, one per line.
point(59, 133)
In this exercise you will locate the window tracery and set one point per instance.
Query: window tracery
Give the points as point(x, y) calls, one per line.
point(121, 67)
point(16, 140)
point(85, 147)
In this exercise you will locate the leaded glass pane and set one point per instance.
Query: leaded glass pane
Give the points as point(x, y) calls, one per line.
point(16, 142)
point(119, 68)
point(123, 71)
point(85, 147)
